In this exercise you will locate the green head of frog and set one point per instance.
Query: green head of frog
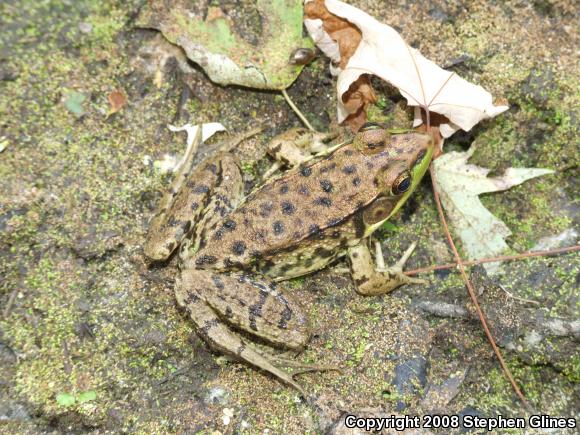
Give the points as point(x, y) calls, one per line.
point(406, 159)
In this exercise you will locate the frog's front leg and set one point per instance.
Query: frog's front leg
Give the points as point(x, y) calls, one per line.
point(296, 146)
point(372, 280)
point(217, 301)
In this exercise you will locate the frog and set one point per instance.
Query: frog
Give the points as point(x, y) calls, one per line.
point(234, 249)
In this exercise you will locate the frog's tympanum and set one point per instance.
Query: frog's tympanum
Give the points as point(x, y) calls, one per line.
point(234, 248)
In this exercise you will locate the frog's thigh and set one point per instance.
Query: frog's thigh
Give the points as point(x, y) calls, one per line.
point(248, 305)
point(181, 209)
point(297, 145)
point(207, 301)
point(367, 280)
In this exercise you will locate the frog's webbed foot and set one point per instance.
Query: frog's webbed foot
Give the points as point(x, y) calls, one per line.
point(376, 280)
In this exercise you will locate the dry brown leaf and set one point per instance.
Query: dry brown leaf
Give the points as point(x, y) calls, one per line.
point(345, 40)
point(380, 50)
point(117, 100)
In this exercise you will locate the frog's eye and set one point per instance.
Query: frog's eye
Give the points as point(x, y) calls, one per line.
point(402, 183)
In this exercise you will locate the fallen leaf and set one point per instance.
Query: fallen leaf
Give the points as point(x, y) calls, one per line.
point(256, 55)
point(381, 51)
point(117, 100)
point(74, 102)
point(169, 162)
point(3, 143)
point(459, 184)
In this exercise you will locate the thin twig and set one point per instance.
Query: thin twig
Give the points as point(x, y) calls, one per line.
point(473, 296)
point(494, 259)
point(297, 110)
point(511, 295)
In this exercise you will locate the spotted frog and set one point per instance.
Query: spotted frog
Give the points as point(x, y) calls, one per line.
point(234, 248)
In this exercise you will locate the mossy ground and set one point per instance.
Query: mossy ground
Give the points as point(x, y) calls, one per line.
point(91, 338)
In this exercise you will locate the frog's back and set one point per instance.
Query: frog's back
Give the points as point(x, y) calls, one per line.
point(313, 207)
point(302, 204)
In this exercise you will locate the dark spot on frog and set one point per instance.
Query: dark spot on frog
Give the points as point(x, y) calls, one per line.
point(303, 190)
point(285, 317)
point(218, 234)
point(256, 309)
point(322, 253)
point(369, 165)
point(185, 226)
point(348, 153)
point(284, 189)
point(246, 221)
point(241, 349)
point(285, 268)
point(192, 298)
point(229, 313)
point(287, 208)
point(323, 201)
point(327, 168)
point(207, 326)
point(201, 189)
point(256, 255)
point(266, 209)
point(211, 168)
point(229, 263)
point(218, 282)
point(190, 184)
point(278, 227)
point(356, 181)
point(205, 259)
point(305, 171)
point(354, 255)
point(194, 206)
point(229, 225)
point(335, 234)
point(308, 263)
point(297, 235)
point(350, 169)
point(239, 247)
point(326, 186)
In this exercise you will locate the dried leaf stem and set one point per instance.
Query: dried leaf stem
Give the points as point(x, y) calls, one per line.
point(297, 110)
point(546, 253)
point(473, 296)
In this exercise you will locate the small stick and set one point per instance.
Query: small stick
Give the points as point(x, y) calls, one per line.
point(493, 259)
point(473, 297)
point(297, 110)
point(528, 301)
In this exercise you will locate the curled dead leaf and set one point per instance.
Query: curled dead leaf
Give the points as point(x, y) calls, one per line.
point(380, 50)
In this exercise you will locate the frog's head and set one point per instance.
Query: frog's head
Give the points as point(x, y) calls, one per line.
point(402, 160)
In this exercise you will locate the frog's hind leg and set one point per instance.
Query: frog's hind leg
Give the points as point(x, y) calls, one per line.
point(215, 184)
point(376, 280)
point(216, 301)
